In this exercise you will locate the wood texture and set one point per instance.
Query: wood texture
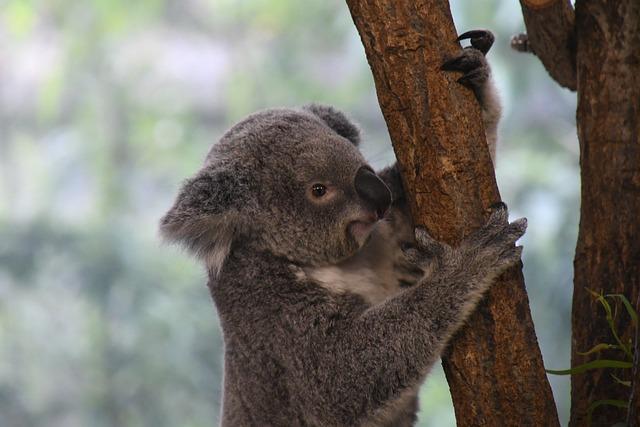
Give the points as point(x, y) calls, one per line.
point(633, 417)
point(538, 3)
point(608, 249)
point(493, 366)
point(551, 36)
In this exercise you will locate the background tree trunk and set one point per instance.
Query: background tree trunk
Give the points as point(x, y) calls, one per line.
point(633, 418)
point(608, 249)
point(493, 365)
point(607, 58)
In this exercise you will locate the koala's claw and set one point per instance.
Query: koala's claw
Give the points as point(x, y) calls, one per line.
point(498, 205)
point(515, 230)
point(480, 39)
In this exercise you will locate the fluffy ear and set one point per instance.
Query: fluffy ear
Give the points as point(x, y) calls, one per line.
point(336, 120)
point(204, 218)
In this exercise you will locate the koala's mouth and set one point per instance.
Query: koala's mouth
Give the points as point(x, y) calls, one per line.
point(361, 228)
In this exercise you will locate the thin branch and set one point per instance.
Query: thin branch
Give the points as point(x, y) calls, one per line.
point(551, 36)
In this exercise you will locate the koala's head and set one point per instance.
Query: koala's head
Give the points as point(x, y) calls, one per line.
point(288, 181)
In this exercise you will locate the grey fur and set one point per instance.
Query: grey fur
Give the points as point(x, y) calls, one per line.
point(323, 327)
point(477, 76)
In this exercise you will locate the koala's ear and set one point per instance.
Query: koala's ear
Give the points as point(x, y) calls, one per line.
point(336, 120)
point(205, 218)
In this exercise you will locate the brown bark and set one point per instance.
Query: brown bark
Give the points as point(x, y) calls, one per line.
point(551, 36)
point(494, 366)
point(608, 249)
point(633, 417)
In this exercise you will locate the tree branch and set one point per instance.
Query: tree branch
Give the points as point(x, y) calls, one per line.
point(551, 36)
point(494, 366)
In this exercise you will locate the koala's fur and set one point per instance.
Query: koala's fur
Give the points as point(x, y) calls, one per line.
point(322, 326)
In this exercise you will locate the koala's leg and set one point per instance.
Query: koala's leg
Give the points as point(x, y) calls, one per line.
point(477, 76)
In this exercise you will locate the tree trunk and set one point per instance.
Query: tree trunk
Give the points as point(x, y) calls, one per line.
point(607, 57)
point(493, 365)
point(633, 418)
point(608, 250)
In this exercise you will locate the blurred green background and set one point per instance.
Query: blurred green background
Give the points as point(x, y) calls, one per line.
point(107, 105)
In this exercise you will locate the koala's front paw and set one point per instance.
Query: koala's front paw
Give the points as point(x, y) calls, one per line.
point(480, 257)
point(471, 61)
point(491, 249)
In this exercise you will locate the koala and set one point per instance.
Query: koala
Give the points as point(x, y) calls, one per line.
point(477, 76)
point(333, 305)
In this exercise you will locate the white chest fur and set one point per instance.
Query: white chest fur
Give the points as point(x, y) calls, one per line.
point(375, 272)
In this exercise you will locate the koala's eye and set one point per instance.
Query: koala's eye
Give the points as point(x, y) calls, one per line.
point(318, 190)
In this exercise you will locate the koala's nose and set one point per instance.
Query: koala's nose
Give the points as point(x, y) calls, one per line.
point(372, 190)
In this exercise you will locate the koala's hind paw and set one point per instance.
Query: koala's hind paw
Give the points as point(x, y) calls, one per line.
point(480, 39)
point(471, 61)
point(467, 61)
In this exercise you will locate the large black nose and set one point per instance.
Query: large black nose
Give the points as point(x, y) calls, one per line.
point(372, 190)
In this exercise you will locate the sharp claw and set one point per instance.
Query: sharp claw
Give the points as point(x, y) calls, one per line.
point(498, 205)
point(522, 222)
point(480, 39)
point(471, 34)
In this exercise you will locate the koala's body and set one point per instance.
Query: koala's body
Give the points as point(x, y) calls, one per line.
point(333, 309)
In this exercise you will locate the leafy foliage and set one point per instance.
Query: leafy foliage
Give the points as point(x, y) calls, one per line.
point(626, 349)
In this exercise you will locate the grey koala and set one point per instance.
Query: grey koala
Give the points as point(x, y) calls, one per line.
point(333, 307)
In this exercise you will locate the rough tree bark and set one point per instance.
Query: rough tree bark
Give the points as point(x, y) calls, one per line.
point(607, 58)
point(493, 365)
point(554, 39)
point(633, 418)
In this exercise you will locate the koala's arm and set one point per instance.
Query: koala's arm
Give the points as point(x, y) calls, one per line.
point(368, 359)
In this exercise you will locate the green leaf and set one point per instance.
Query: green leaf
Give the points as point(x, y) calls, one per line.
point(632, 313)
point(607, 307)
point(594, 364)
point(622, 382)
point(602, 300)
point(598, 348)
point(604, 402)
point(594, 293)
